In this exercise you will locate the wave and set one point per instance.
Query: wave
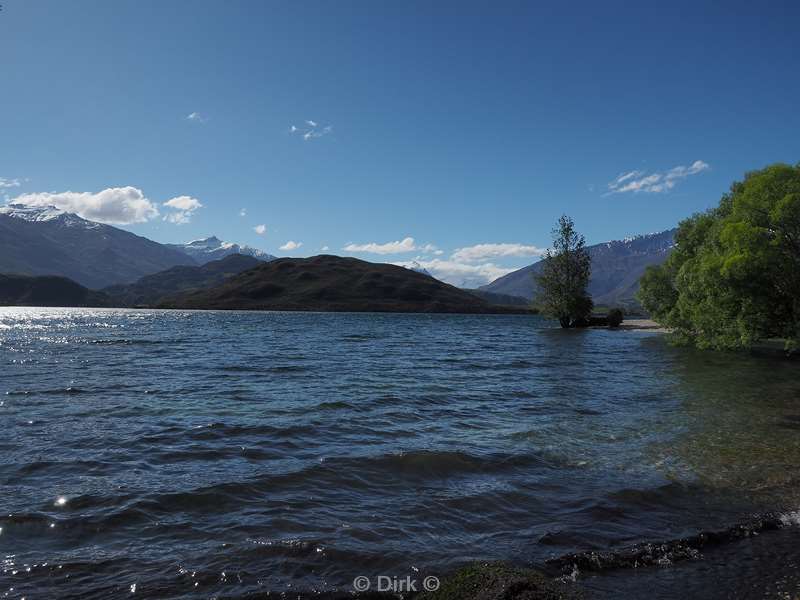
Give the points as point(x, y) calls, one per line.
point(665, 553)
point(264, 368)
point(356, 337)
point(220, 431)
point(363, 473)
point(241, 369)
point(420, 465)
point(336, 405)
point(288, 369)
point(128, 342)
point(521, 364)
point(67, 390)
point(81, 467)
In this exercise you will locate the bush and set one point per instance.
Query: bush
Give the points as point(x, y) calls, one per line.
point(733, 278)
point(615, 317)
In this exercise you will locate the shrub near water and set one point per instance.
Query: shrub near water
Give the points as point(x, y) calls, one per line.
point(734, 276)
point(615, 317)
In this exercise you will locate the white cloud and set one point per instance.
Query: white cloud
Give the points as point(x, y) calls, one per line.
point(184, 207)
point(311, 130)
point(627, 176)
point(260, 229)
point(324, 249)
point(483, 252)
point(178, 218)
point(243, 212)
point(639, 181)
point(115, 206)
point(458, 273)
point(405, 245)
point(314, 133)
point(9, 183)
point(186, 203)
point(290, 245)
point(430, 248)
point(196, 117)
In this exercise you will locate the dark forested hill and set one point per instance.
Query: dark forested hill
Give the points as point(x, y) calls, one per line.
point(24, 290)
point(150, 289)
point(332, 283)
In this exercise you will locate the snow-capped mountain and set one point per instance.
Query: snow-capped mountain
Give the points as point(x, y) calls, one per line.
point(616, 268)
point(213, 248)
point(49, 241)
point(43, 214)
point(415, 266)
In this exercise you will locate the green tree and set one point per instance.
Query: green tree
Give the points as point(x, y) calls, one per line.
point(564, 277)
point(734, 276)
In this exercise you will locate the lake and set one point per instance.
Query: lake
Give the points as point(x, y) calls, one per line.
point(197, 454)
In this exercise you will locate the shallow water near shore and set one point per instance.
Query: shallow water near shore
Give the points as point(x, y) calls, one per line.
point(194, 454)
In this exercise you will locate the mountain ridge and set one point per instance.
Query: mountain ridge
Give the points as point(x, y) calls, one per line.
point(45, 240)
point(617, 266)
point(212, 248)
point(150, 289)
point(48, 241)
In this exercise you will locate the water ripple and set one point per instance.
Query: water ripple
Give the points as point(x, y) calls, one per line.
point(195, 454)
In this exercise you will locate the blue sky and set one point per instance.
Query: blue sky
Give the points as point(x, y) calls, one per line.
point(467, 127)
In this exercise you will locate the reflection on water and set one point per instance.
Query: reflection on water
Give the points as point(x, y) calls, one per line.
point(192, 453)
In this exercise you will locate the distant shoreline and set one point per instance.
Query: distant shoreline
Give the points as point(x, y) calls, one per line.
point(492, 310)
point(627, 325)
point(642, 325)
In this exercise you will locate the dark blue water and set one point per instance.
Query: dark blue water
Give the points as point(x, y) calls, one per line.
point(194, 454)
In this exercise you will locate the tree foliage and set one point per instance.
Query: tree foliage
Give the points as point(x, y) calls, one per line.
point(615, 317)
point(565, 276)
point(734, 276)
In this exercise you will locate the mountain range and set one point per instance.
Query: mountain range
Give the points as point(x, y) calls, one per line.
point(132, 270)
point(49, 241)
point(616, 269)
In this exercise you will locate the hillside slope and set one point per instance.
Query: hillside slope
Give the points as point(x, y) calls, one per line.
point(332, 283)
point(499, 299)
point(48, 241)
point(24, 290)
point(150, 289)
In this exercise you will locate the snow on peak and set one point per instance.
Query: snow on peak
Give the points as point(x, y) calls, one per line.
point(209, 242)
point(641, 237)
point(212, 248)
point(31, 213)
point(42, 214)
point(415, 266)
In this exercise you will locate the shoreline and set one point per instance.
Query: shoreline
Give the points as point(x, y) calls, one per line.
point(642, 325)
